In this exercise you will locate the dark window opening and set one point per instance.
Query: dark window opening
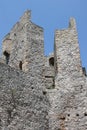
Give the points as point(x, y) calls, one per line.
point(51, 61)
point(44, 92)
point(20, 65)
point(7, 57)
point(84, 71)
point(85, 114)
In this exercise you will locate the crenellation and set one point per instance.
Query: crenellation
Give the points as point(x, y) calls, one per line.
point(40, 92)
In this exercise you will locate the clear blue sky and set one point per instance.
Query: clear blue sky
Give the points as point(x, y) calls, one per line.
point(51, 15)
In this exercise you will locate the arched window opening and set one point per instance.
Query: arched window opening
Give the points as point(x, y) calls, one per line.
point(7, 56)
point(51, 61)
point(20, 65)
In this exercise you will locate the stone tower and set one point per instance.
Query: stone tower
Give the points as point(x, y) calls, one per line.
point(23, 46)
point(67, 54)
point(67, 99)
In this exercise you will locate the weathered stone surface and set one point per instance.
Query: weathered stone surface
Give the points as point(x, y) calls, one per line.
point(68, 100)
point(40, 92)
point(21, 105)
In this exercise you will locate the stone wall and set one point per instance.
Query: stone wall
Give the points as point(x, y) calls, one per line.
point(39, 92)
point(49, 71)
point(68, 61)
point(22, 105)
point(68, 100)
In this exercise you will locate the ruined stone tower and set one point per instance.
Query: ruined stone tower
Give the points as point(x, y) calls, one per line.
point(24, 40)
point(40, 92)
point(67, 54)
